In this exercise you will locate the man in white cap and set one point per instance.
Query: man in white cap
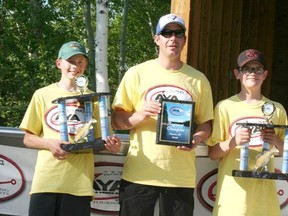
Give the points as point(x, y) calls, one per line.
point(152, 171)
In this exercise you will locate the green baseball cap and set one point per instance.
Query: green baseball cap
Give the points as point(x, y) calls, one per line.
point(70, 49)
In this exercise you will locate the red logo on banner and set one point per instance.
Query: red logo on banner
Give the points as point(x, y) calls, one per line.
point(206, 190)
point(11, 179)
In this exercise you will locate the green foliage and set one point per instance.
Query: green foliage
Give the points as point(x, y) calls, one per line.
point(31, 33)
point(139, 39)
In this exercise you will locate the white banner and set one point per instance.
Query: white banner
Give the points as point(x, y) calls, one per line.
point(17, 168)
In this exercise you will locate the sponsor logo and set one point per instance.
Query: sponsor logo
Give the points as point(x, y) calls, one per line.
point(282, 191)
point(167, 92)
point(106, 187)
point(177, 111)
point(206, 190)
point(255, 140)
point(75, 118)
point(11, 179)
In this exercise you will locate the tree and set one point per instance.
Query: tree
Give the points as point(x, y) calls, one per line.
point(31, 33)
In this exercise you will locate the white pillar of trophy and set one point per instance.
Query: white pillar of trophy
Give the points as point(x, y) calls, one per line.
point(103, 112)
point(244, 153)
point(62, 119)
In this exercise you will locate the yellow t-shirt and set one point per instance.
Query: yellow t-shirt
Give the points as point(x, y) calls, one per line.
point(243, 196)
point(75, 174)
point(147, 162)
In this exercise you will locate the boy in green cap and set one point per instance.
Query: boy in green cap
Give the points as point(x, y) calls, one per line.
point(63, 183)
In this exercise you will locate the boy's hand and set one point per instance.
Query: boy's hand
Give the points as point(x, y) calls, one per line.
point(113, 143)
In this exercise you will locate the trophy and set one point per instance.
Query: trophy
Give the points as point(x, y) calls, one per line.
point(84, 137)
point(261, 170)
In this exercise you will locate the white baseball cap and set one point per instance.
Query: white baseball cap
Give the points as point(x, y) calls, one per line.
point(167, 19)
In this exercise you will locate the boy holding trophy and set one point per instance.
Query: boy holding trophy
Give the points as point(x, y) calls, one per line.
point(237, 195)
point(62, 182)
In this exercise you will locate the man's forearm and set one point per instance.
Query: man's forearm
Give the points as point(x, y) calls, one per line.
point(122, 120)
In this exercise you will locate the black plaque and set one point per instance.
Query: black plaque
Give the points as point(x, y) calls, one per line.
point(175, 123)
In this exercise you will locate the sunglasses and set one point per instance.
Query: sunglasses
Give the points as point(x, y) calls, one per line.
point(167, 33)
point(249, 70)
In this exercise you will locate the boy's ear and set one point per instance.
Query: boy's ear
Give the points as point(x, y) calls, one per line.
point(58, 63)
point(236, 73)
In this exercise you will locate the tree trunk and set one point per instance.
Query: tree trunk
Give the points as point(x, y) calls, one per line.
point(91, 43)
point(123, 41)
point(101, 46)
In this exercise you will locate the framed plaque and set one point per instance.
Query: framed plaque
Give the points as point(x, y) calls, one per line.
point(175, 123)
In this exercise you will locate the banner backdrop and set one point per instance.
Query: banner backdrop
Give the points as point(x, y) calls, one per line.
point(17, 168)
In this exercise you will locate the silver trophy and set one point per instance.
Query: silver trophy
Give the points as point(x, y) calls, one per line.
point(262, 160)
point(84, 138)
point(268, 110)
point(81, 83)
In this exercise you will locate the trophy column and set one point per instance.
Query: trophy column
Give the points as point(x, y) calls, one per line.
point(88, 116)
point(103, 109)
point(63, 128)
point(244, 157)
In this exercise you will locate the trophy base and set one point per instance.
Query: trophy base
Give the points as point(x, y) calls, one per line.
point(96, 145)
point(260, 175)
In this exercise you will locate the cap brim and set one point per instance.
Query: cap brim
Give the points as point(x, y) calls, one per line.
point(249, 60)
point(70, 54)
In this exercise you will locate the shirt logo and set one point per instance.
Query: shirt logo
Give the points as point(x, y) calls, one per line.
point(75, 118)
point(171, 92)
point(255, 140)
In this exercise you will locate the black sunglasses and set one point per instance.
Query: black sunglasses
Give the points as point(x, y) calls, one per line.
point(167, 33)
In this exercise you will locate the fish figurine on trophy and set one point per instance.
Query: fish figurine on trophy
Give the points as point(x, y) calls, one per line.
point(261, 165)
point(83, 133)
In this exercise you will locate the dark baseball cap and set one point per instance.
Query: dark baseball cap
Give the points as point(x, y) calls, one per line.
point(70, 49)
point(250, 55)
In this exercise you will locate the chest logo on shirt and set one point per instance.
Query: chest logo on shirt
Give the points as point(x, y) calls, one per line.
point(75, 118)
point(167, 92)
point(255, 140)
